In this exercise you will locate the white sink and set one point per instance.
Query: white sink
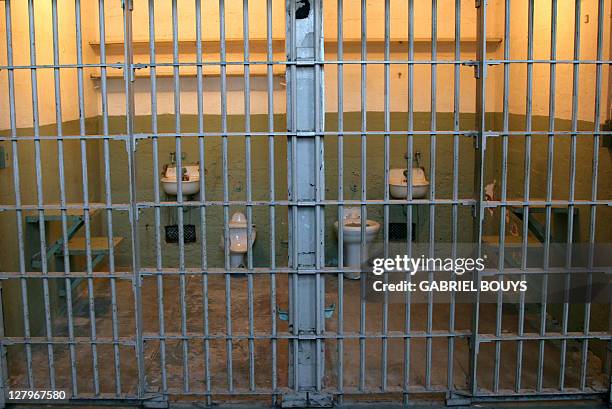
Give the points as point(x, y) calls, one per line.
point(190, 183)
point(398, 184)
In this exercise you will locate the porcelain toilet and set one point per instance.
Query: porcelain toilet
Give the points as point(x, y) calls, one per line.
point(351, 228)
point(238, 239)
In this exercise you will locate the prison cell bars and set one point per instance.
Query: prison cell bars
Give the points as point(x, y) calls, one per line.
point(249, 182)
point(156, 194)
point(527, 202)
point(526, 191)
point(62, 183)
point(20, 234)
point(179, 179)
point(572, 180)
point(503, 194)
point(387, 125)
point(595, 175)
point(340, 215)
point(107, 192)
point(228, 309)
point(432, 183)
point(203, 249)
point(364, 209)
point(409, 198)
point(319, 98)
point(293, 377)
point(39, 194)
point(479, 156)
point(17, 188)
point(549, 187)
point(272, 197)
point(133, 212)
point(455, 194)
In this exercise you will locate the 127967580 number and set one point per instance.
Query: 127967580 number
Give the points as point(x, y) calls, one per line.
point(36, 395)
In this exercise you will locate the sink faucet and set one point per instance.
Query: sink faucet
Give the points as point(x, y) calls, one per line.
point(173, 157)
point(417, 158)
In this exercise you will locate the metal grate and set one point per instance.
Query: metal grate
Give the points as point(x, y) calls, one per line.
point(216, 347)
point(189, 233)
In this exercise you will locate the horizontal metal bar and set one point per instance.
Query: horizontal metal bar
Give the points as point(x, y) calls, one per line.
point(509, 336)
point(10, 275)
point(55, 208)
point(543, 395)
point(153, 205)
point(439, 202)
point(67, 341)
point(323, 336)
point(140, 136)
point(120, 66)
point(545, 203)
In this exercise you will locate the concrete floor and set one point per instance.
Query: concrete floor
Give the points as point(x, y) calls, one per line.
point(262, 349)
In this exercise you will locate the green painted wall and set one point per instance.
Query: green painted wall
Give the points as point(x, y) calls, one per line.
point(261, 183)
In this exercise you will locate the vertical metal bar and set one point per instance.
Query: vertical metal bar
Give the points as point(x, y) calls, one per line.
point(526, 192)
point(293, 188)
point(202, 161)
point(504, 193)
point(549, 190)
point(107, 187)
point(387, 124)
point(271, 193)
point(340, 68)
point(318, 195)
point(39, 195)
point(595, 174)
point(455, 208)
point(572, 188)
point(180, 209)
point(228, 281)
point(87, 221)
point(364, 212)
point(86, 214)
point(305, 151)
point(156, 194)
point(409, 154)
point(128, 77)
point(249, 189)
point(432, 184)
point(17, 185)
point(479, 160)
point(62, 183)
point(107, 181)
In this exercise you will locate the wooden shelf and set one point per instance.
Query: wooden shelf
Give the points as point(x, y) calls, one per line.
point(77, 245)
point(258, 45)
point(210, 48)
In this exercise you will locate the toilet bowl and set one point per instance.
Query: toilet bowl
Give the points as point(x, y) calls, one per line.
point(238, 239)
point(351, 230)
point(398, 183)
